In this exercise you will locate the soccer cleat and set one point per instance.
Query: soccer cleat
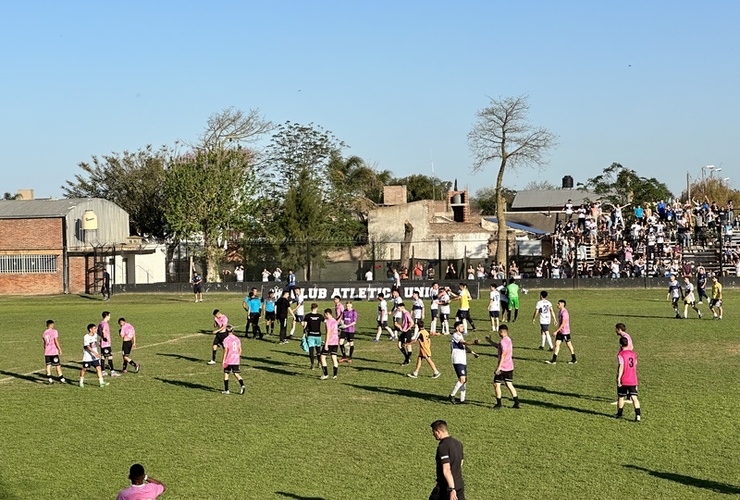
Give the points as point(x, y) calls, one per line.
point(550, 362)
point(541, 348)
point(324, 377)
point(114, 374)
point(699, 313)
point(436, 375)
point(104, 384)
point(516, 406)
point(637, 418)
point(614, 403)
point(62, 380)
point(572, 362)
point(82, 383)
point(618, 415)
point(496, 407)
point(51, 381)
point(105, 373)
point(138, 367)
point(334, 377)
point(211, 362)
point(405, 363)
point(225, 392)
point(242, 390)
point(452, 400)
point(462, 402)
point(412, 375)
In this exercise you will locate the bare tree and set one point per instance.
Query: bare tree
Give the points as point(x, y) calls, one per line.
point(234, 126)
point(503, 133)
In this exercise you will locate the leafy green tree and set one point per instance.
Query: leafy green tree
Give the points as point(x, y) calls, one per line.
point(423, 187)
point(132, 180)
point(485, 199)
point(619, 185)
point(8, 196)
point(503, 134)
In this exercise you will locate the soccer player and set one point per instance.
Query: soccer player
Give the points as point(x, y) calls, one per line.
point(232, 359)
point(347, 324)
point(443, 298)
point(106, 344)
point(674, 293)
point(504, 373)
point(425, 351)
point(459, 362)
point(463, 312)
point(562, 334)
point(298, 312)
point(434, 307)
point(417, 310)
point(128, 335)
point(512, 291)
point(621, 331)
point(701, 283)
point(254, 307)
point(52, 352)
point(544, 309)
point(404, 325)
point(627, 378)
point(312, 332)
point(449, 459)
point(494, 307)
point(268, 308)
point(282, 309)
point(688, 298)
point(330, 345)
point(142, 486)
point(197, 282)
point(715, 305)
point(504, 300)
point(383, 317)
point(396, 300)
point(220, 322)
point(90, 356)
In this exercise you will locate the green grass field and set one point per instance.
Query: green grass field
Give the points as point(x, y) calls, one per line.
point(366, 435)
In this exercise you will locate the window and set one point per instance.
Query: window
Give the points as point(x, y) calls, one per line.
point(24, 264)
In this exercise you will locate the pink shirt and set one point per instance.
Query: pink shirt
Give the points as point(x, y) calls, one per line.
point(50, 348)
point(338, 310)
point(221, 321)
point(406, 321)
point(564, 320)
point(629, 340)
point(127, 332)
point(233, 347)
point(505, 348)
point(104, 333)
point(147, 491)
point(332, 335)
point(628, 360)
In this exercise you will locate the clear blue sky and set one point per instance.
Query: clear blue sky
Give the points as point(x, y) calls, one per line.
point(652, 85)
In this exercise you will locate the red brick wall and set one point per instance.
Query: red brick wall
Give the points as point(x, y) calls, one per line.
point(32, 236)
point(77, 271)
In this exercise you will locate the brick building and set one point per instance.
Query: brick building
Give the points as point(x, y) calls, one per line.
point(58, 246)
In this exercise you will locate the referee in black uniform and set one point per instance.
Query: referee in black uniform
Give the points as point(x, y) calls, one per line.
point(449, 458)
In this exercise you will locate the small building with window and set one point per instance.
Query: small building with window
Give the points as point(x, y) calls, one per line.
point(59, 246)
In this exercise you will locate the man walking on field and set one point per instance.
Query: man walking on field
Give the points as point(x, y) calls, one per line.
point(232, 359)
point(128, 335)
point(545, 311)
point(504, 373)
point(562, 334)
point(627, 379)
point(52, 352)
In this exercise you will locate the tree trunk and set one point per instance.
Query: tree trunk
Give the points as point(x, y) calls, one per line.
point(209, 260)
point(501, 254)
point(408, 235)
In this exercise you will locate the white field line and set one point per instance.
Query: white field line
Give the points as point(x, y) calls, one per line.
point(171, 341)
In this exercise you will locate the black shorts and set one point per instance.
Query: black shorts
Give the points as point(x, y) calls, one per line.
point(494, 314)
point(332, 349)
point(544, 327)
point(232, 369)
point(382, 324)
point(348, 336)
point(703, 293)
point(299, 318)
point(219, 339)
point(444, 316)
point(91, 364)
point(674, 301)
point(405, 337)
point(441, 493)
point(52, 360)
point(626, 390)
point(563, 337)
point(127, 346)
point(435, 313)
point(254, 318)
point(460, 370)
point(197, 288)
point(462, 314)
point(503, 377)
point(269, 315)
point(106, 352)
point(715, 303)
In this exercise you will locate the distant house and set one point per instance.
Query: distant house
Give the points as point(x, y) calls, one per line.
point(64, 246)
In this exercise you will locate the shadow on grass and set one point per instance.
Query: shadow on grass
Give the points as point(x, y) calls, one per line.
point(180, 356)
point(401, 392)
point(76, 366)
point(302, 354)
point(36, 377)
point(539, 388)
point(630, 315)
point(717, 487)
point(205, 332)
point(90, 297)
point(378, 370)
point(272, 369)
point(555, 406)
point(297, 497)
point(187, 385)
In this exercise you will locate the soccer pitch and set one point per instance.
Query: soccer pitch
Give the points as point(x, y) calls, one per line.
point(366, 435)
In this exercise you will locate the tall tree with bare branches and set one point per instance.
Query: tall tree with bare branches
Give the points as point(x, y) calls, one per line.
point(502, 133)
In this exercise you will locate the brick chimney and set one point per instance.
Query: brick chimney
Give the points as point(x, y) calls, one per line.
point(460, 204)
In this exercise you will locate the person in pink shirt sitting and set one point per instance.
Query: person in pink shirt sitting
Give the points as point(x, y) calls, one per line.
point(331, 344)
point(232, 359)
point(52, 352)
point(505, 369)
point(142, 486)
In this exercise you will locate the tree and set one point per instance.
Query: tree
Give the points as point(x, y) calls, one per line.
point(354, 185)
point(712, 189)
point(132, 180)
point(485, 199)
point(540, 186)
point(233, 126)
point(619, 185)
point(502, 133)
point(8, 197)
point(423, 187)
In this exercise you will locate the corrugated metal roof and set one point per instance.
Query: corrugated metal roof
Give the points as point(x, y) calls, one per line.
point(550, 198)
point(520, 227)
point(21, 209)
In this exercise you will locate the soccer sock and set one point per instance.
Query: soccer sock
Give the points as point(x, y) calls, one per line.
point(133, 363)
point(62, 379)
point(433, 327)
point(125, 365)
point(403, 351)
point(516, 400)
point(323, 369)
point(498, 401)
point(310, 354)
point(554, 358)
point(543, 339)
point(637, 412)
point(341, 348)
point(101, 381)
point(351, 351)
point(335, 370)
point(463, 390)
point(572, 357)
point(549, 341)
point(241, 382)
point(213, 355)
point(110, 364)
point(457, 387)
point(226, 385)
point(619, 411)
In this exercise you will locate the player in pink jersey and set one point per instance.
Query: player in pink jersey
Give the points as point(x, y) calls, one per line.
point(128, 335)
point(505, 369)
point(142, 486)
point(106, 345)
point(627, 379)
point(232, 359)
point(331, 344)
point(347, 324)
point(52, 352)
point(404, 324)
point(562, 334)
point(220, 322)
point(621, 331)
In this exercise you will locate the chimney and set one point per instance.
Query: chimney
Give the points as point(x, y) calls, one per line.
point(460, 205)
point(25, 194)
point(394, 195)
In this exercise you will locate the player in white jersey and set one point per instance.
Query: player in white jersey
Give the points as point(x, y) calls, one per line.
point(298, 313)
point(544, 309)
point(443, 298)
point(494, 307)
point(434, 307)
point(688, 298)
point(459, 357)
point(383, 318)
point(91, 358)
point(396, 301)
point(417, 311)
